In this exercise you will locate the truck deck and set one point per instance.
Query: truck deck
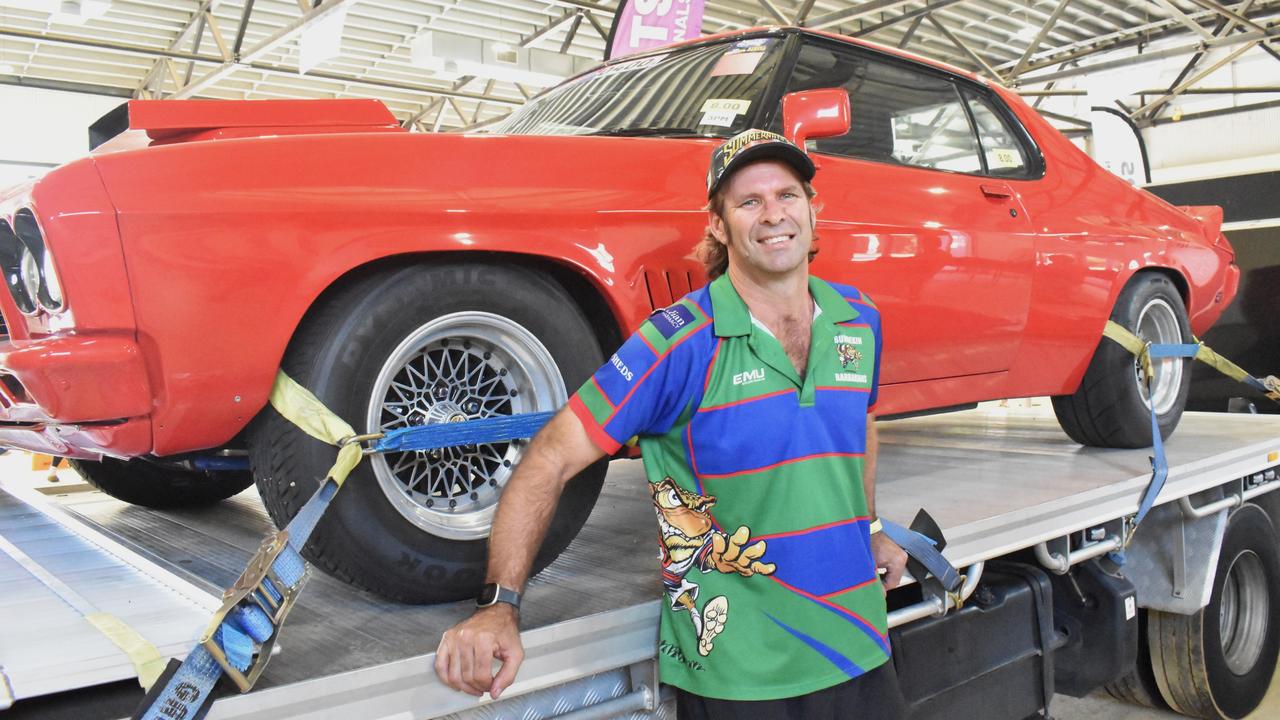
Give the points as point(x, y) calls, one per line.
point(997, 480)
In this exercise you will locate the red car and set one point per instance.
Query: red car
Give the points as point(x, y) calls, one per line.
point(156, 286)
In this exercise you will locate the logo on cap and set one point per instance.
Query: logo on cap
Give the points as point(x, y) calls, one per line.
point(755, 144)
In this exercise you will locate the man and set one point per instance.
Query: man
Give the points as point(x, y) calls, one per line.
point(753, 399)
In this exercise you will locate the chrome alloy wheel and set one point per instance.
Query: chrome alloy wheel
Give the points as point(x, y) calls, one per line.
point(458, 367)
point(1158, 323)
point(1244, 612)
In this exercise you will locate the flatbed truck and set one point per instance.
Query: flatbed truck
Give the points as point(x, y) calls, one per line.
point(1029, 517)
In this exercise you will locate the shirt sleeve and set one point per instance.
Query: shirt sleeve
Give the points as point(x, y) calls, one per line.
point(874, 322)
point(644, 386)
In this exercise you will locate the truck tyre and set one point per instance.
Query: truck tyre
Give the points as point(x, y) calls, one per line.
point(1138, 686)
point(422, 345)
point(155, 485)
point(1219, 662)
point(1110, 409)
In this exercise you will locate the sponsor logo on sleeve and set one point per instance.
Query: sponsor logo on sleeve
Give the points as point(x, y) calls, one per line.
point(672, 320)
point(621, 367)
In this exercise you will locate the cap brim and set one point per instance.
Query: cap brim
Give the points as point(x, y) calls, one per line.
point(790, 154)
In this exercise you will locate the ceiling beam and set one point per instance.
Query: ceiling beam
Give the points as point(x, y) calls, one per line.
point(1173, 12)
point(991, 72)
point(774, 12)
point(1232, 15)
point(914, 15)
point(911, 31)
point(862, 10)
point(267, 45)
point(1039, 38)
point(802, 13)
point(1174, 92)
point(1224, 27)
point(1149, 56)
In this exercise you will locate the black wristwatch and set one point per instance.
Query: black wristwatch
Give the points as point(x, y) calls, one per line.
point(493, 593)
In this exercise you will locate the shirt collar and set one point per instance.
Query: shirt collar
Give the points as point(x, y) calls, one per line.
point(733, 319)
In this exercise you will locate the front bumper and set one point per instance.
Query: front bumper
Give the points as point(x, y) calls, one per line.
point(77, 396)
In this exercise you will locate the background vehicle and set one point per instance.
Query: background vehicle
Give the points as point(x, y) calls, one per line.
point(156, 286)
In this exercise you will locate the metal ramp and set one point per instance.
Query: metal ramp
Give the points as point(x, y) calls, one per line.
point(54, 572)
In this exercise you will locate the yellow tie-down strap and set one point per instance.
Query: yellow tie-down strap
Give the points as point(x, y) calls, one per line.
point(303, 409)
point(146, 660)
point(1270, 385)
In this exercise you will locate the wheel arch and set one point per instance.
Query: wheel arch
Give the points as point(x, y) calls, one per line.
point(595, 304)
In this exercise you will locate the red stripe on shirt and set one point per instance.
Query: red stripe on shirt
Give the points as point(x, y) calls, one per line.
point(859, 586)
point(603, 394)
point(706, 382)
point(743, 401)
point(827, 603)
point(598, 436)
point(793, 533)
point(721, 476)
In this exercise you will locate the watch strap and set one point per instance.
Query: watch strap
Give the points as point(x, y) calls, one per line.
point(499, 594)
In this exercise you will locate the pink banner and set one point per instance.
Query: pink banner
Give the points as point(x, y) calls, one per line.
point(643, 24)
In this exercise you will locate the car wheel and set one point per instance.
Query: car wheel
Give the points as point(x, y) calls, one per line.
point(415, 346)
point(156, 485)
point(1219, 662)
point(1112, 406)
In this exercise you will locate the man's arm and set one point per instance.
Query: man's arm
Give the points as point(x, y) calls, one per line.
point(464, 659)
point(886, 552)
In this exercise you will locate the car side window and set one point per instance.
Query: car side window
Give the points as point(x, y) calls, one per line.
point(1005, 155)
point(900, 114)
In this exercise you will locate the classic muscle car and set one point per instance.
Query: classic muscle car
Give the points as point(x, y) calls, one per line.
point(156, 285)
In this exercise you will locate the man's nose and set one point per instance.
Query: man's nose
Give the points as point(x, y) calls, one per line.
point(773, 213)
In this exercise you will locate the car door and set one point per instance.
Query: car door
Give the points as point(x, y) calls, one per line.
point(922, 212)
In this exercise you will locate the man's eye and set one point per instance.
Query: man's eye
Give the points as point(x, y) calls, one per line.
point(750, 203)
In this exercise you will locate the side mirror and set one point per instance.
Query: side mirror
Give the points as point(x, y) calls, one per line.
point(815, 114)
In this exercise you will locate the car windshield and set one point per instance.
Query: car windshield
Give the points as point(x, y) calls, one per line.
point(709, 90)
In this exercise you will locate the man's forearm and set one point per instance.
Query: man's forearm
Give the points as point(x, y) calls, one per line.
point(560, 451)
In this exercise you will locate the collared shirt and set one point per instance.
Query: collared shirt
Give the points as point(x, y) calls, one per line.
point(737, 445)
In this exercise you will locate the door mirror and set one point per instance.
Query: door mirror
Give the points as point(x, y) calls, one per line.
point(815, 114)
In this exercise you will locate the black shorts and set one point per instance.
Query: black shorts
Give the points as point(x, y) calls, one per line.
point(871, 696)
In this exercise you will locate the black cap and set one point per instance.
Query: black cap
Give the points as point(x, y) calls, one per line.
point(751, 145)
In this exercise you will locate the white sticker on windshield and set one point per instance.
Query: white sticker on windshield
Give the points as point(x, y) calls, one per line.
point(737, 107)
point(720, 118)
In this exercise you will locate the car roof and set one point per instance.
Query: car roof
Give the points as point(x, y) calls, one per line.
point(782, 30)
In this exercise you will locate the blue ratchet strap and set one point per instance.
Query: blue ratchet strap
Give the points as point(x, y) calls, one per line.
point(924, 550)
point(1159, 464)
point(501, 428)
point(253, 611)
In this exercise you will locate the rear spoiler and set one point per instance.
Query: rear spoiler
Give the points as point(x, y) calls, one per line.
point(178, 120)
point(1210, 217)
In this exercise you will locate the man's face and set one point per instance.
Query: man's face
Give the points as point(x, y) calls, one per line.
point(768, 221)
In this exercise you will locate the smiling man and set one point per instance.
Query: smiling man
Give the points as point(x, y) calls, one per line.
point(753, 400)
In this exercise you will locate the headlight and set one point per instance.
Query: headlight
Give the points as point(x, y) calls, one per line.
point(51, 288)
point(29, 274)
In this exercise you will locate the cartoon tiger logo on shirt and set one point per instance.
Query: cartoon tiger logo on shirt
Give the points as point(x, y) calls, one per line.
point(690, 539)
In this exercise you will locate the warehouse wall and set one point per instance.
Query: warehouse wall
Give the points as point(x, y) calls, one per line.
point(43, 128)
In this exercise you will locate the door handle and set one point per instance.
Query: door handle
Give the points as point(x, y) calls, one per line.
point(996, 190)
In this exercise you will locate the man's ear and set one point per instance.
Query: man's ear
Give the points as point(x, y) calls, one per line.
point(716, 225)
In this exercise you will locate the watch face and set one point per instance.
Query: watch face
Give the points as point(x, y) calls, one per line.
point(488, 595)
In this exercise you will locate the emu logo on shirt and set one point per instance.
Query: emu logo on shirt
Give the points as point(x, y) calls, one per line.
point(622, 367)
point(749, 377)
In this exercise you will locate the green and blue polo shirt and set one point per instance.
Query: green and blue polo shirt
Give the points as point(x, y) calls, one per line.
point(733, 438)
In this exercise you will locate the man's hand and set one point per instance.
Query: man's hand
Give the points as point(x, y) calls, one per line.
point(464, 659)
point(889, 556)
point(729, 556)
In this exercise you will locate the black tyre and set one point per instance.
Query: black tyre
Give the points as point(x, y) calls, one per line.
point(1138, 686)
point(155, 485)
point(1110, 409)
point(421, 345)
point(1219, 662)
